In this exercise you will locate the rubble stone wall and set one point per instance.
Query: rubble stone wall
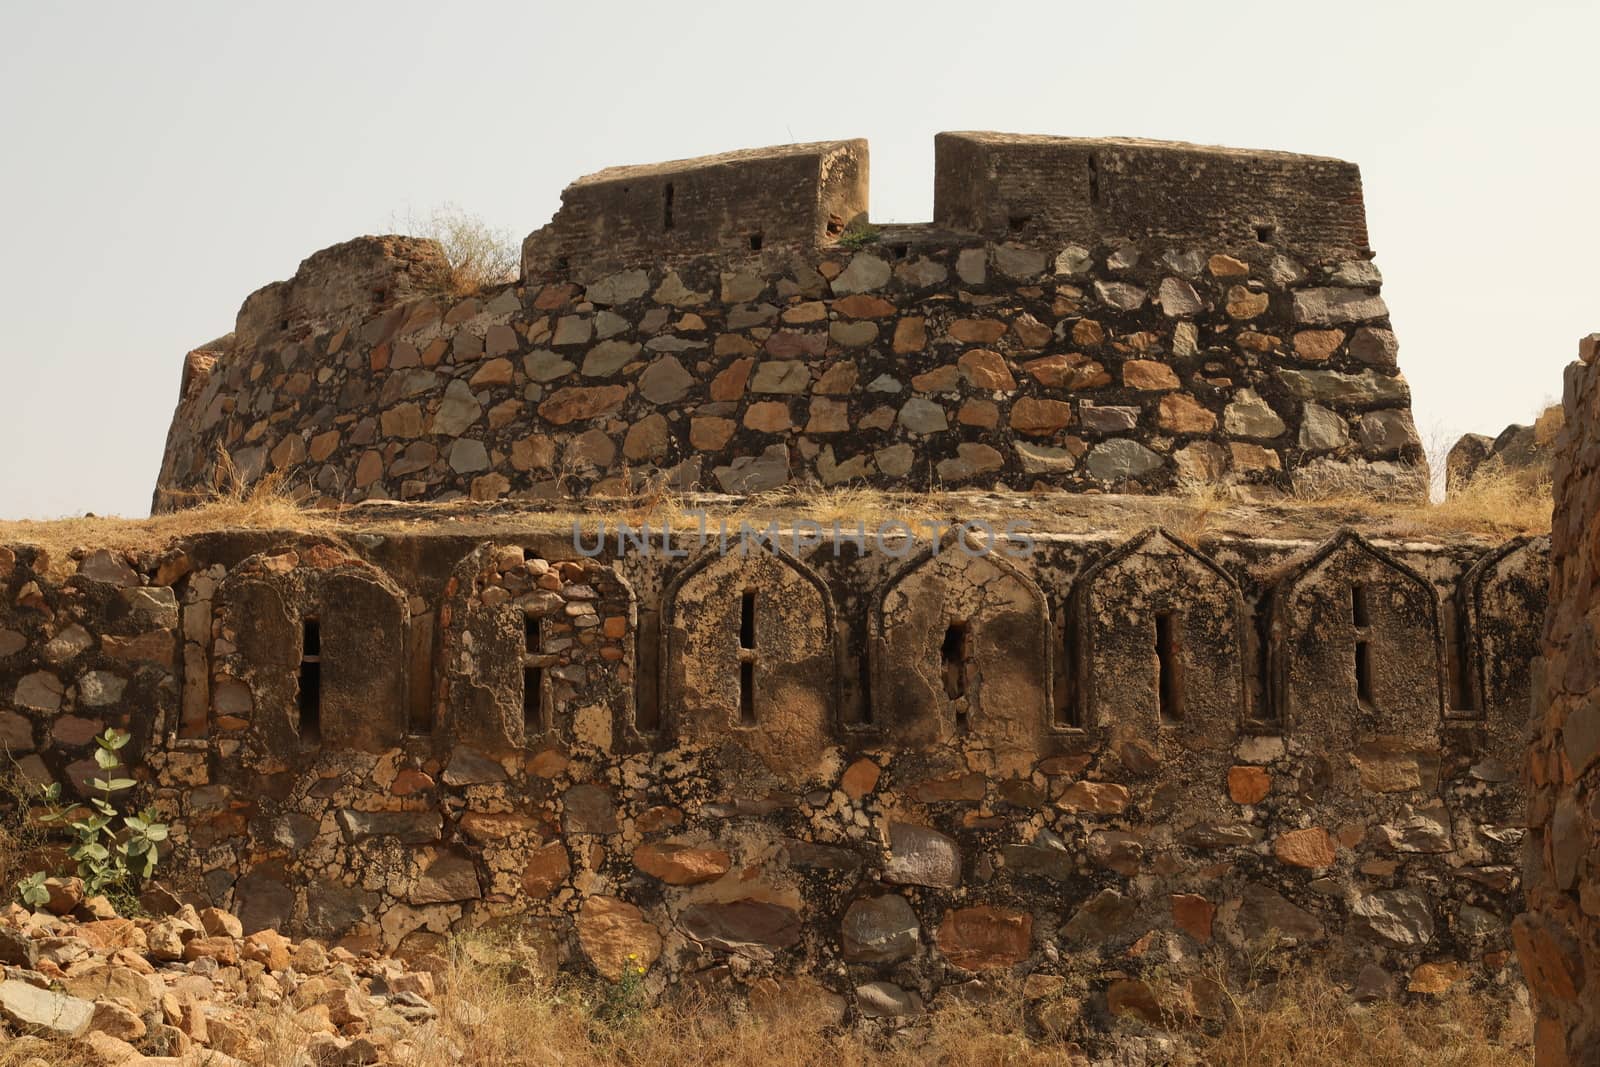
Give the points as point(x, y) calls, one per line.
point(1559, 937)
point(876, 772)
point(1216, 343)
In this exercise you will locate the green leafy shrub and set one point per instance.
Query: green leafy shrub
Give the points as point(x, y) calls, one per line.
point(111, 861)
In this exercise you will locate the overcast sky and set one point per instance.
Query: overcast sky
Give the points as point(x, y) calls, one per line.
point(163, 160)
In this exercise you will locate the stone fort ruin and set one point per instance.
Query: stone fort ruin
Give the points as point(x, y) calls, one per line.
point(860, 768)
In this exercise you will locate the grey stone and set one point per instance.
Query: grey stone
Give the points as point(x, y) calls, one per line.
point(332, 908)
point(1210, 835)
point(468, 766)
point(741, 924)
point(755, 474)
point(544, 365)
point(1375, 347)
point(1104, 917)
point(604, 359)
point(1044, 459)
point(17, 949)
point(588, 809)
point(458, 410)
point(1386, 431)
point(619, 288)
point(972, 266)
point(609, 324)
point(411, 828)
point(1121, 295)
point(41, 1011)
point(1075, 261)
point(781, 376)
point(1284, 272)
point(1265, 912)
point(665, 381)
point(853, 334)
point(1399, 917)
point(1329, 307)
point(572, 330)
point(67, 645)
point(1017, 262)
point(920, 856)
point(972, 458)
point(1177, 297)
point(1124, 258)
point(1122, 458)
point(673, 343)
point(1321, 429)
point(1107, 418)
point(1382, 479)
point(468, 455)
point(1356, 274)
point(1333, 387)
point(672, 291)
point(1053, 863)
point(1248, 415)
point(450, 877)
point(812, 856)
point(11, 643)
point(920, 415)
point(1477, 923)
point(16, 732)
point(880, 930)
point(102, 566)
point(864, 273)
point(885, 383)
point(99, 689)
point(39, 691)
point(885, 1000)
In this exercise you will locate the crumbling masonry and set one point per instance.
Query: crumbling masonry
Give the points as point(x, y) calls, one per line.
point(863, 770)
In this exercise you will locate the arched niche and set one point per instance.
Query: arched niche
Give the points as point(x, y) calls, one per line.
point(1502, 600)
point(1358, 654)
point(1161, 644)
point(318, 639)
point(749, 656)
point(535, 652)
point(962, 647)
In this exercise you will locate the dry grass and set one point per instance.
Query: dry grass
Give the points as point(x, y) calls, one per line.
point(1494, 503)
point(480, 255)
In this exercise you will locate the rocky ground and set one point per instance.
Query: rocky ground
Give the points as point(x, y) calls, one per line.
point(190, 987)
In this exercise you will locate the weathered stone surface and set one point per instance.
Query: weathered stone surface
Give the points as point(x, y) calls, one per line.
point(681, 864)
point(880, 930)
point(1119, 459)
point(1328, 307)
point(1334, 387)
point(920, 856)
point(1399, 917)
point(30, 1008)
point(741, 924)
point(985, 938)
point(616, 937)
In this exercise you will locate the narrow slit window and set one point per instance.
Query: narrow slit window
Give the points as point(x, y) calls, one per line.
point(953, 666)
point(1065, 697)
point(1169, 667)
point(1360, 610)
point(666, 207)
point(533, 718)
point(648, 712)
point(1361, 620)
point(310, 719)
point(747, 619)
point(1094, 180)
point(756, 241)
point(1364, 673)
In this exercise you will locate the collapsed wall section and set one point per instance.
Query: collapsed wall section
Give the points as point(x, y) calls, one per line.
point(378, 739)
point(1559, 937)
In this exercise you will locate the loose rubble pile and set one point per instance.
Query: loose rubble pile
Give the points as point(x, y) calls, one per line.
point(190, 987)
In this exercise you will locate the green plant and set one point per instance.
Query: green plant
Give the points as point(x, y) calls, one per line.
point(32, 892)
point(110, 861)
point(858, 236)
point(623, 1000)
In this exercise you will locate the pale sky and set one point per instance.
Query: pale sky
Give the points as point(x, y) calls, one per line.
point(159, 161)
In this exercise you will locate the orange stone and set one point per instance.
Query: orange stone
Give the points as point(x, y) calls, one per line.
point(977, 331)
point(1311, 848)
point(983, 369)
point(1148, 374)
point(910, 335)
point(1247, 785)
point(1101, 798)
point(985, 938)
point(709, 433)
point(578, 402)
point(1072, 370)
point(1031, 415)
point(1180, 413)
point(681, 864)
point(768, 416)
point(860, 778)
point(546, 870)
point(862, 306)
point(1193, 915)
point(1317, 345)
point(1227, 267)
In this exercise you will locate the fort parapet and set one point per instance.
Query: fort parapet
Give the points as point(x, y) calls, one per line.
point(1189, 316)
